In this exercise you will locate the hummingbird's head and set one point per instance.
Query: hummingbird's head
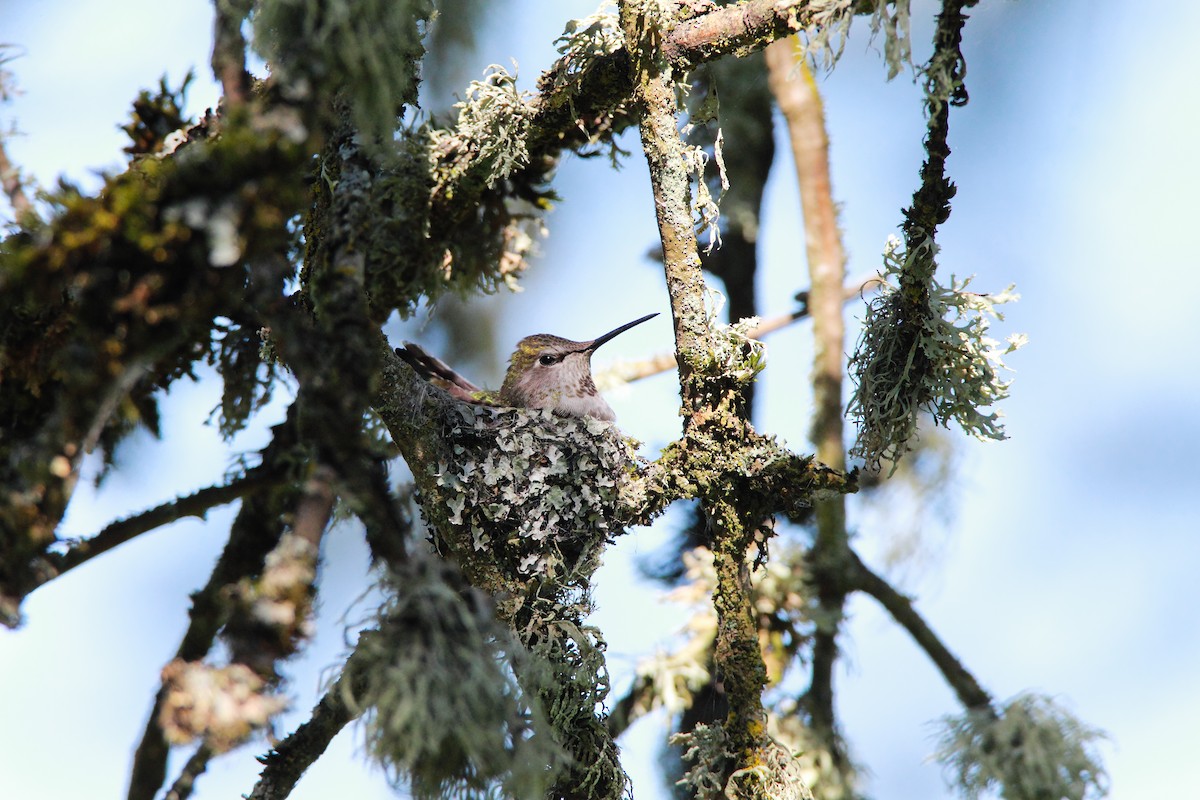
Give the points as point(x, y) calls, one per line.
point(551, 372)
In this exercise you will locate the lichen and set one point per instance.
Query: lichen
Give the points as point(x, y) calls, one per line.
point(711, 775)
point(490, 136)
point(828, 26)
point(442, 707)
point(1033, 749)
point(525, 502)
point(931, 355)
point(583, 43)
point(366, 50)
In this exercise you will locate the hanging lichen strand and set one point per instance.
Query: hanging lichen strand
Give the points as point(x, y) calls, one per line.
point(923, 347)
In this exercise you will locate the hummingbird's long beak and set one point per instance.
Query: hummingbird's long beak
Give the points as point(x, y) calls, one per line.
point(597, 342)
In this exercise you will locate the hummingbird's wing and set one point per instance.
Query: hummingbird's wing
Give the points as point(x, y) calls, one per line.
point(438, 372)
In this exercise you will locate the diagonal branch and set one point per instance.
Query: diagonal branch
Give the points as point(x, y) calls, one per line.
point(287, 762)
point(968, 690)
point(255, 531)
point(196, 504)
point(182, 788)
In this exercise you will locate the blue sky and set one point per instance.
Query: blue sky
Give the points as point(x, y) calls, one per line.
point(1070, 565)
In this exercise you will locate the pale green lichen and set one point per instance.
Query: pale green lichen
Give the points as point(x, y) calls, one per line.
point(442, 708)
point(707, 749)
point(778, 776)
point(528, 500)
point(775, 776)
point(366, 51)
point(829, 26)
point(826, 776)
point(583, 71)
point(897, 37)
point(584, 42)
point(1034, 750)
point(931, 356)
point(491, 134)
point(705, 207)
point(733, 352)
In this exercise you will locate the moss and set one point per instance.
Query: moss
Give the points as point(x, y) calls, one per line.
point(366, 51)
point(929, 355)
point(442, 709)
point(116, 297)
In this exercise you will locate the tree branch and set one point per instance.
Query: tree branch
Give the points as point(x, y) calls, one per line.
point(287, 762)
point(636, 703)
point(796, 93)
point(714, 404)
point(229, 51)
point(563, 104)
point(255, 531)
point(973, 696)
point(196, 504)
point(733, 29)
point(182, 788)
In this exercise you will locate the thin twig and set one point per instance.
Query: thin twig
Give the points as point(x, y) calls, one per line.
point(284, 765)
point(181, 789)
point(196, 504)
point(629, 371)
point(636, 703)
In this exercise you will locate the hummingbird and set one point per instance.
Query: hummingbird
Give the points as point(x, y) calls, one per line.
point(544, 372)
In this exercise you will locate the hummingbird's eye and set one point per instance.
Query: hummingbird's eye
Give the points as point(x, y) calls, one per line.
point(547, 361)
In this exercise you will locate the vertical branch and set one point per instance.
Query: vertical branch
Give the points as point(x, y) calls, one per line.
point(229, 50)
point(930, 207)
point(796, 92)
point(745, 117)
point(713, 402)
point(654, 95)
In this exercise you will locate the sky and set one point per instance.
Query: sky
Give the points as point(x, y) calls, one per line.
point(1069, 565)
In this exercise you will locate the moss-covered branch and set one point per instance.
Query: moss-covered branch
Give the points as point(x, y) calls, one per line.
point(714, 367)
point(117, 296)
point(284, 765)
point(924, 347)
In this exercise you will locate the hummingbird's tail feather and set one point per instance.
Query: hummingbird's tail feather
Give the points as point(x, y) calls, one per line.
point(438, 372)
